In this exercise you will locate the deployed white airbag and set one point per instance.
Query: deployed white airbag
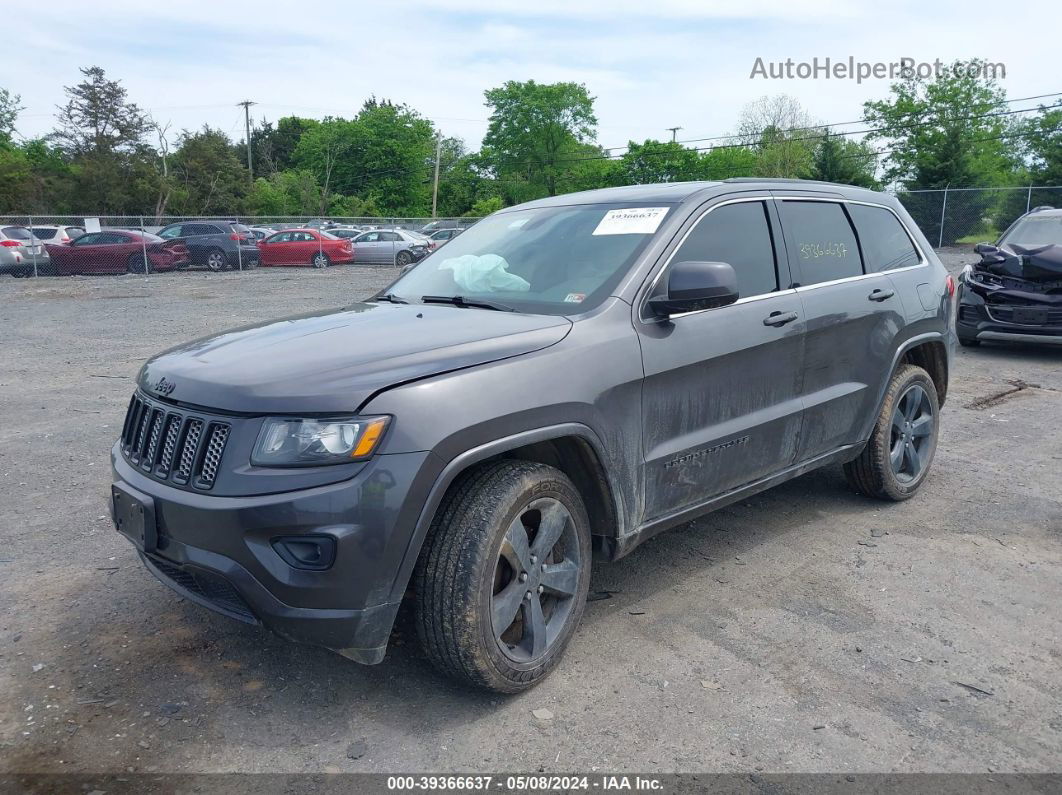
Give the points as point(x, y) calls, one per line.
point(484, 274)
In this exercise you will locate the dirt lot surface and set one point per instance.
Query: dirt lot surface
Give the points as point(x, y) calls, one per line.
point(807, 629)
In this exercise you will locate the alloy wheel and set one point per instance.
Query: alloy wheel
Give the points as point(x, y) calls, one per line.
point(215, 261)
point(535, 581)
point(913, 425)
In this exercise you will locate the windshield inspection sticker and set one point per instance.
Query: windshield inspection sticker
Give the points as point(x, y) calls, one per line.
point(631, 221)
point(574, 298)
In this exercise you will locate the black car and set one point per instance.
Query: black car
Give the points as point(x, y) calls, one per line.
point(583, 370)
point(217, 244)
point(1014, 293)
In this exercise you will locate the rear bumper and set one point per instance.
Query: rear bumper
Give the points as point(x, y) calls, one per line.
point(218, 551)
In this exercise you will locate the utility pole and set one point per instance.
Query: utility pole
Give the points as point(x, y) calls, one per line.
point(435, 187)
point(673, 131)
point(247, 122)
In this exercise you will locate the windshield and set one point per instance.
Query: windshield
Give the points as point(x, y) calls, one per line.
point(550, 260)
point(1033, 230)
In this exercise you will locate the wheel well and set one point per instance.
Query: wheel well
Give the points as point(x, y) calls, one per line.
point(933, 358)
point(577, 459)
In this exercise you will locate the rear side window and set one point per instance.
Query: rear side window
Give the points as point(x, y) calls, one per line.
point(738, 234)
point(821, 241)
point(886, 244)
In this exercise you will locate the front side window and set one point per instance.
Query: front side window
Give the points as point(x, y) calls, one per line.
point(549, 260)
point(886, 244)
point(821, 241)
point(740, 235)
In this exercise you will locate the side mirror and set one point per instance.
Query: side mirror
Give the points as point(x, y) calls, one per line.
point(985, 248)
point(692, 286)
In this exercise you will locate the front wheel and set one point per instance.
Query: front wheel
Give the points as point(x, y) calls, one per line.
point(320, 260)
point(502, 581)
point(896, 460)
point(403, 258)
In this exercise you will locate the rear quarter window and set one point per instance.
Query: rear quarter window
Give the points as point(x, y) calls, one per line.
point(886, 244)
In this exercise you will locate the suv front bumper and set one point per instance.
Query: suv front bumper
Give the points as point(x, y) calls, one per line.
point(976, 321)
point(218, 551)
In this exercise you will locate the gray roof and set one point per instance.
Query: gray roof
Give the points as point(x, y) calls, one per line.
point(675, 192)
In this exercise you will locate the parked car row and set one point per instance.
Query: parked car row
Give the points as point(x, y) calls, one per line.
point(214, 244)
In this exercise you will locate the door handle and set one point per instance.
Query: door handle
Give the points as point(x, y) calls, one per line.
point(779, 318)
point(881, 295)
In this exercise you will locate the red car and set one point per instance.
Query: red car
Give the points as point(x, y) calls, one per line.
point(116, 251)
point(305, 247)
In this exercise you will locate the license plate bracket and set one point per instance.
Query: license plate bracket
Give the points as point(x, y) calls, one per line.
point(134, 517)
point(1030, 315)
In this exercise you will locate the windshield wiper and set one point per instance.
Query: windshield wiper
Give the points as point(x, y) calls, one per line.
point(458, 300)
point(392, 298)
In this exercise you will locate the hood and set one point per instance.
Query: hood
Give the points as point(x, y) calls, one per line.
point(334, 361)
point(1033, 262)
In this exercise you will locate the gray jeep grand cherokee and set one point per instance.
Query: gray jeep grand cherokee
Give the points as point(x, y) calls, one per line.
point(584, 370)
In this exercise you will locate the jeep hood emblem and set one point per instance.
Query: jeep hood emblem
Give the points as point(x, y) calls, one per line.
point(164, 387)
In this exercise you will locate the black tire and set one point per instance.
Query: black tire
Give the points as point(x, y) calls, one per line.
point(320, 260)
point(136, 263)
point(464, 578)
point(22, 273)
point(969, 342)
point(216, 261)
point(874, 473)
point(403, 258)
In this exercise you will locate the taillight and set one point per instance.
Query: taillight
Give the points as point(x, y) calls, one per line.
point(65, 240)
point(10, 243)
point(951, 286)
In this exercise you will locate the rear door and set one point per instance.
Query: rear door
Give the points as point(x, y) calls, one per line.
point(721, 399)
point(853, 317)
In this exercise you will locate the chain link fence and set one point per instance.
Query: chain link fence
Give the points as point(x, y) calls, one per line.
point(957, 216)
point(65, 245)
point(62, 245)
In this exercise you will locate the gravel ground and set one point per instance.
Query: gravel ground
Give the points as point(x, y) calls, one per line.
point(806, 629)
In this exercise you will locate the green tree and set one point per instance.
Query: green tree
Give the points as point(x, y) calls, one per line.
point(782, 135)
point(292, 192)
point(658, 161)
point(945, 131)
point(211, 178)
point(729, 160)
point(838, 159)
point(535, 133)
point(10, 107)
point(274, 146)
point(103, 135)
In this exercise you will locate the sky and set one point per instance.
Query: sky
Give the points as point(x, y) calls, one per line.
point(650, 65)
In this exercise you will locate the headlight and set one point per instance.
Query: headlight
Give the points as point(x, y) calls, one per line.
point(285, 442)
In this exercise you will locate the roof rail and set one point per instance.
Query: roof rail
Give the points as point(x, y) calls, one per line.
point(1041, 207)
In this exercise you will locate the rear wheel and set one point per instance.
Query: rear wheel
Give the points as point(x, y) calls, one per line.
point(136, 263)
point(896, 460)
point(320, 260)
point(502, 581)
point(216, 260)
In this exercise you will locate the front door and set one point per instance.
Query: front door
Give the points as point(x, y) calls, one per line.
point(721, 402)
point(853, 317)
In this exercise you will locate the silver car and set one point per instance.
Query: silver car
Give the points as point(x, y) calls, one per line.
point(21, 252)
point(390, 247)
point(61, 235)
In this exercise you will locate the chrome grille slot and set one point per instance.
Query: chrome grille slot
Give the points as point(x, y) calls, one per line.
point(169, 445)
point(208, 468)
point(148, 458)
point(193, 431)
